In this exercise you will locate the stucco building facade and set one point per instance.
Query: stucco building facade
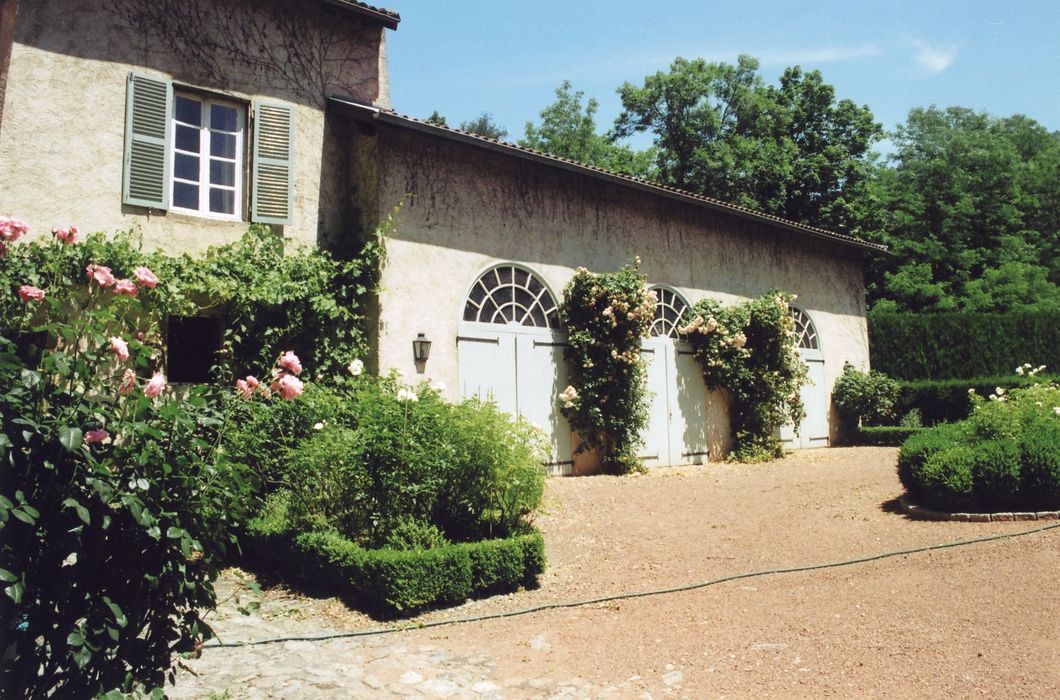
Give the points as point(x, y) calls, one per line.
point(252, 125)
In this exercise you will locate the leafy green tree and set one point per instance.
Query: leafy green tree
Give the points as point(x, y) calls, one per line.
point(970, 209)
point(790, 150)
point(483, 125)
point(568, 130)
point(436, 118)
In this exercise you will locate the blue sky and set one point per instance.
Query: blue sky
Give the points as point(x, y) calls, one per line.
point(463, 57)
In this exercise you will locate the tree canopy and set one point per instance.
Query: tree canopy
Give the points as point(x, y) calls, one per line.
point(792, 150)
point(568, 130)
point(971, 210)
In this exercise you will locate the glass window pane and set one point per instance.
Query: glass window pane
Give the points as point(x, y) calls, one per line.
point(222, 172)
point(222, 145)
point(186, 167)
point(187, 138)
point(224, 118)
point(185, 195)
point(222, 201)
point(189, 111)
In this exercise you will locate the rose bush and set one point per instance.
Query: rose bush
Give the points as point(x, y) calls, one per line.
point(606, 316)
point(749, 350)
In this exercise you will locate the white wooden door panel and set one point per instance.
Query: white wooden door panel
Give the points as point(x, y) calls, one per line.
point(688, 408)
point(541, 376)
point(487, 368)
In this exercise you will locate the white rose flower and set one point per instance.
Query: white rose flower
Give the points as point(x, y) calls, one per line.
point(356, 368)
point(568, 395)
point(1019, 371)
point(407, 396)
point(318, 426)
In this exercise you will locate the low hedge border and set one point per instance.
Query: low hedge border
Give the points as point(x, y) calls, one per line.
point(947, 400)
point(393, 583)
point(921, 513)
point(882, 436)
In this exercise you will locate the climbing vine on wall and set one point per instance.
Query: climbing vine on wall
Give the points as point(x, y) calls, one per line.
point(750, 350)
point(606, 316)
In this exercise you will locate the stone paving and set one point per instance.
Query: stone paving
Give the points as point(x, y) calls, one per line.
point(399, 664)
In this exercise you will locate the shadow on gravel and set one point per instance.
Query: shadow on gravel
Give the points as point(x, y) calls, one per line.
point(892, 505)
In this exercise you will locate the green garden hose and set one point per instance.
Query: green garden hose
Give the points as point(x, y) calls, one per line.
point(627, 596)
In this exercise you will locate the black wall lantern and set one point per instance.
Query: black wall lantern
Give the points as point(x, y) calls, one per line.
point(421, 348)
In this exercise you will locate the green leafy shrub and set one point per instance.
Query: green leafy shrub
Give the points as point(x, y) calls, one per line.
point(750, 350)
point(864, 398)
point(606, 316)
point(883, 436)
point(390, 582)
point(961, 345)
point(1005, 456)
point(408, 534)
point(115, 507)
point(404, 455)
point(949, 400)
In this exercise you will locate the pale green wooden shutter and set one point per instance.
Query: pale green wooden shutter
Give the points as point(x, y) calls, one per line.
point(148, 103)
point(272, 164)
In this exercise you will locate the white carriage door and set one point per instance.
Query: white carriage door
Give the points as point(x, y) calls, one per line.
point(656, 449)
point(487, 366)
point(510, 351)
point(688, 406)
point(813, 432)
point(541, 375)
point(677, 416)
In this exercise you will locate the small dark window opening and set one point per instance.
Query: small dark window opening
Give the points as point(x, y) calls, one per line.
point(192, 343)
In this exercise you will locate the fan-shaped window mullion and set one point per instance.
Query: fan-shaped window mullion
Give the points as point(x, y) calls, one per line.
point(669, 308)
point(805, 329)
point(510, 294)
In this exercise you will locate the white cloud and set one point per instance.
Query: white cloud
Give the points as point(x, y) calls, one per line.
point(820, 54)
point(934, 59)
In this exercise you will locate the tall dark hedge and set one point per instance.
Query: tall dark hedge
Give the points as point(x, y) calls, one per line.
point(962, 345)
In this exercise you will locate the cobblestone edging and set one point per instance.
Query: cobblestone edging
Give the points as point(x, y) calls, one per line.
point(922, 513)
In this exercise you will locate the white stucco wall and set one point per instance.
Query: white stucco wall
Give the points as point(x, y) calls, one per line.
point(469, 208)
point(62, 138)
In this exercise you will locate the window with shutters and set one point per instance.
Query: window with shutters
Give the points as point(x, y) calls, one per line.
point(188, 152)
point(207, 157)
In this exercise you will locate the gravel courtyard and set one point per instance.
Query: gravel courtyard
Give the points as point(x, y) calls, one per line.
point(977, 620)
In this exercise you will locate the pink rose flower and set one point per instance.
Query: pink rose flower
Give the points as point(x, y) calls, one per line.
point(145, 277)
point(65, 235)
point(290, 362)
point(126, 287)
point(120, 348)
point(128, 382)
point(155, 386)
point(28, 293)
point(243, 390)
point(11, 229)
point(94, 436)
point(100, 274)
point(253, 382)
point(289, 387)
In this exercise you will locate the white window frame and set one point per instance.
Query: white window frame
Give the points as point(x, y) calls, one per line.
point(204, 155)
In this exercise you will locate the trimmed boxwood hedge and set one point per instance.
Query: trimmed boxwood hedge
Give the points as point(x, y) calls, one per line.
point(1005, 457)
point(391, 582)
point(962, 345)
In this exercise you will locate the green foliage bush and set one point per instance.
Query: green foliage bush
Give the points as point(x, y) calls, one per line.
point(883, 436)
point(750, 350)
point(402, 456)
point(961, 345)
point(392, 582)
point(606, 316)
point(949, 400)
point(864, 398)
point(1005, 456)
point(115, 506)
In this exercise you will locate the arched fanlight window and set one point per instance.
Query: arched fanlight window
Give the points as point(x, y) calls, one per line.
point(511, 294)
point(669, 308)
point(805, 329)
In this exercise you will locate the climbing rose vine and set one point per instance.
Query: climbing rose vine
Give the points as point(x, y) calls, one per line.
point(750, 350)
point(606, 316)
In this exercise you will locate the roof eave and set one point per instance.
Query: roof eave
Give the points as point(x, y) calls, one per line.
point(386, 18)
point(354, 108)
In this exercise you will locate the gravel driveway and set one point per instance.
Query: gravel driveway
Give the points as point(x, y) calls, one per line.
point(982, 619)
